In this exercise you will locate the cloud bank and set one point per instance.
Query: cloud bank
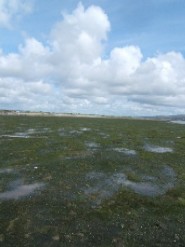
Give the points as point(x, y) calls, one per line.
point(72, 72)
point(11, 9)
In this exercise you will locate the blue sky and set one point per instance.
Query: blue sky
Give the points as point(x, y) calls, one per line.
point(155, 26)
point(139, 47)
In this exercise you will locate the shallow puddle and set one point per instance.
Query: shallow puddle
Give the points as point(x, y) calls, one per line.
point(178, 121)
point(168, 172)
point(20, 190)
point(27, 134)
point(102, 186)
point(158, 149)
point(72, 132)
point(125, 151)
point(17, 135)
point(92, 145)
point(85, 129)
point(31, 131)
point(16, 188)
point(69, 132)
point(104, 135)
point(6, 170)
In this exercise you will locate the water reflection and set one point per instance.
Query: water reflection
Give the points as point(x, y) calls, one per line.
point(102, 186)
point(158, 149)
point(178, 121)
point(125, 151)
point(16, 188)
point(20, 191)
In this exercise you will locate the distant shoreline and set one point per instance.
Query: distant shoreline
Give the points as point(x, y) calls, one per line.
point(79, 115)
point(70, 115)
point(52, 114)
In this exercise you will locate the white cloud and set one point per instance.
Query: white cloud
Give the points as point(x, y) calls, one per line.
point(78, 38)
point(11, 9)
point(72, 73)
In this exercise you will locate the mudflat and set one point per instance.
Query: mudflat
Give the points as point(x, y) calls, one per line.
point(67, 181)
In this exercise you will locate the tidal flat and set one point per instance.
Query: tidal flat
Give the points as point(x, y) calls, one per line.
point(91, 182)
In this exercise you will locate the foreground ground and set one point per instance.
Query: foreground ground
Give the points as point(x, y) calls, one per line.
point(91, 182)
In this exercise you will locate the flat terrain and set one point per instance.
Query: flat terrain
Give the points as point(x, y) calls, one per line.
point(91, 182)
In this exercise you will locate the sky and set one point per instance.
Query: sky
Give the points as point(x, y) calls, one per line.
point(124, 57)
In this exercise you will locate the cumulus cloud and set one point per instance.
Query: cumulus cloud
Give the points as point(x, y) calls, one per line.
point(11, 9)
point(72, 73)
